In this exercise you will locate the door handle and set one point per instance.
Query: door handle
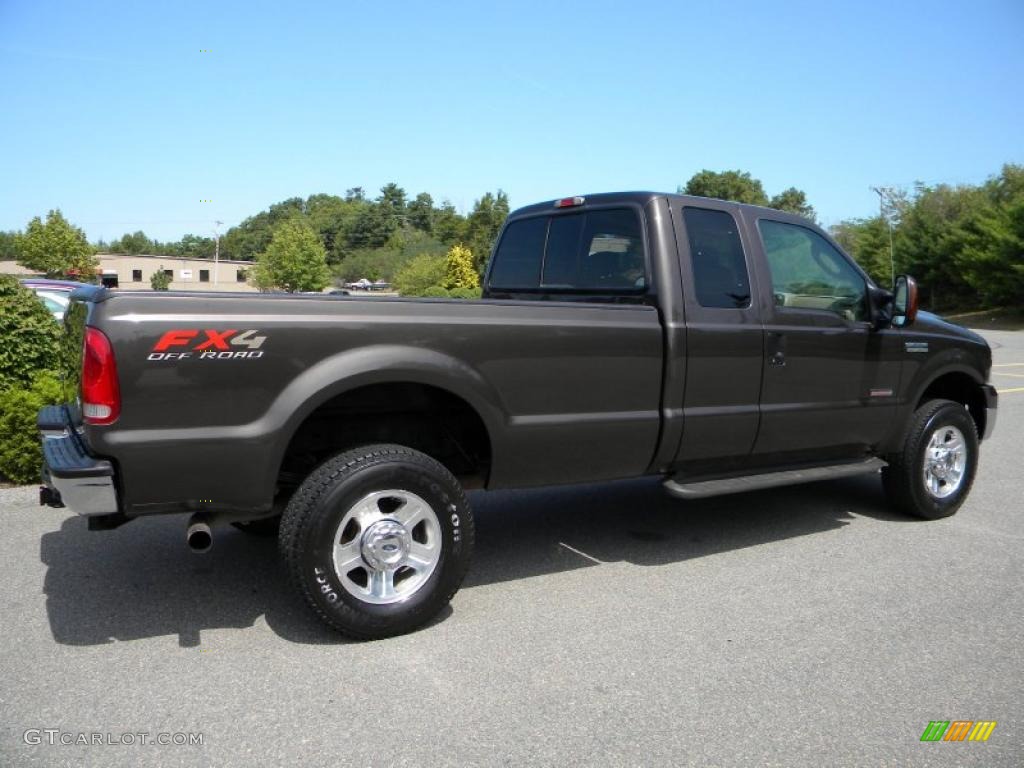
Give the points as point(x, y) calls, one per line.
point(776, 349)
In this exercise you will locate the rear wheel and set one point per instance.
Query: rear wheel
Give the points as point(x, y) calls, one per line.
point(378, 540)
point(932, 475)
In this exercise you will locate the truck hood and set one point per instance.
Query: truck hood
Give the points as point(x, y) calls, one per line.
point(931, 323)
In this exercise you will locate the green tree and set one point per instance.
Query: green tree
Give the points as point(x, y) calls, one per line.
point(483, 224)
point(134, 243)
point(56, 248)
point(295, 260)
point(160, 280)
point(867, 240)
point(737, 186)
point(423, 273)
point(449, 225)
point(460, 269)
point(793, 200)
point(421, 212)
point(8, 246)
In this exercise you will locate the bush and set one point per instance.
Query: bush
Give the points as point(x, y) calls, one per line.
point(20, 453)
point(464, 293)
point(423, 272)
point(459, 270)
point(29, 336)
point(435, 292)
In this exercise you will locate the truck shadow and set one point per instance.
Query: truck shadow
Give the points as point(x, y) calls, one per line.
point(140, 581)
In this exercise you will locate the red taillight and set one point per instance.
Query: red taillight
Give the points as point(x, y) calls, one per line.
point(568, 202)
point(101, 397)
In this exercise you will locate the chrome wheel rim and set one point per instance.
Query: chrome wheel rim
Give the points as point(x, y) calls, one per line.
point(945, 462)
point(386, 546)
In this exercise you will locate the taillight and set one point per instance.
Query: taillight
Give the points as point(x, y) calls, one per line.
point(101, 397)
point(569, 202)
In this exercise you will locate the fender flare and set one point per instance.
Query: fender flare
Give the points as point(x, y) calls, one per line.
point(378, 364)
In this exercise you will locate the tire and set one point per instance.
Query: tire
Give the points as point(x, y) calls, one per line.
point(264, 526)
point(939, 425)
point(377, 540)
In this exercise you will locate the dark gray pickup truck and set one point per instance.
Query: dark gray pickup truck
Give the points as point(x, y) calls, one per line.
point(722, 347)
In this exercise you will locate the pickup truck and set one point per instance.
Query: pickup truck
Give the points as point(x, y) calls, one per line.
point(721, 347)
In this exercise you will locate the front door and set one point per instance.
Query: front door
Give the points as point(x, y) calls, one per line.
point(827, 392)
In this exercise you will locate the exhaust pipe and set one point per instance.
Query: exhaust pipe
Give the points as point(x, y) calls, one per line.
point(198, 535)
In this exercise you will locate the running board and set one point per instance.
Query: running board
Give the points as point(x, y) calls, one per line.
point(704, 488)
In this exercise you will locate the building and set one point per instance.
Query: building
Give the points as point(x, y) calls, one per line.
point(133, 272)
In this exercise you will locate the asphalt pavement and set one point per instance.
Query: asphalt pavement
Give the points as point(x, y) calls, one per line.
point(600, 625)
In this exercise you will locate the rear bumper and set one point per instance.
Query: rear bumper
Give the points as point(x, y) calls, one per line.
point(71, 477)
point(991, 404)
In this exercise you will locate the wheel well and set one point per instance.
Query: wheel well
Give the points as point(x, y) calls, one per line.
point(419, 416)
point(960, 388)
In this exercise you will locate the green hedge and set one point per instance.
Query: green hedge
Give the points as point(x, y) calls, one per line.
point(20, 454)
point(29, 354)
point(29, 336)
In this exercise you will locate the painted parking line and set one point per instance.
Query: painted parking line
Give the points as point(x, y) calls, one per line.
point(1008, 391)
point(1008, 365)
point(1014, 375)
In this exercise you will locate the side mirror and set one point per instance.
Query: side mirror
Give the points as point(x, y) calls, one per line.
point(904, 305)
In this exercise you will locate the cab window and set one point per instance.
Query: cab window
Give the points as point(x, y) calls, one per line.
point(808, 272)
point(598, 251)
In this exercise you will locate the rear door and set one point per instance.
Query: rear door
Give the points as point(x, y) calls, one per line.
point(724, 343)
point(827, 389)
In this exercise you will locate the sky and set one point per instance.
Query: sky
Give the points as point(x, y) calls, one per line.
point(133, 115)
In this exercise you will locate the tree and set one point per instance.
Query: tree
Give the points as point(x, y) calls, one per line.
point(793, 200)
point(160, 280)
point(483, 224)
point(295, 260)
point(56, 248)
point(134, 243)
point(421, 212)
point(737, 186)
point(449, 226)
point(8, 246)
point(460, 269)
point(420, 275)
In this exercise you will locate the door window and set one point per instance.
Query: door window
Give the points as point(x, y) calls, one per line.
point(719, 269)
point(809, 273)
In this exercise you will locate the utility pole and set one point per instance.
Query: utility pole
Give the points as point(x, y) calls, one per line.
point(216, 251)
point(883, 193)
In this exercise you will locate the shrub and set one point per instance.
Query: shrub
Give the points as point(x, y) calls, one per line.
point(20, 453)
point(435, 292)
point(459, 271)
point(423, 272)
point(464, 293)
point(160, 280)
point(29, 336)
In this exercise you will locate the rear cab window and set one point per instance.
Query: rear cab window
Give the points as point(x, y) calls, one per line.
point(594, 253)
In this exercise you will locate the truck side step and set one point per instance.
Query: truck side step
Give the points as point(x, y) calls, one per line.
point(697, 490)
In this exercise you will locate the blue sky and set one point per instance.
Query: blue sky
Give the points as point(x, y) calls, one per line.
point(113, 113)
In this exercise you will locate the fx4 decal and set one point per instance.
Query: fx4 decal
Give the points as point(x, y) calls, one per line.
point(208, 344)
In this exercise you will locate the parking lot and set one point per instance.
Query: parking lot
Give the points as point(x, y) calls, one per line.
point(600, 625)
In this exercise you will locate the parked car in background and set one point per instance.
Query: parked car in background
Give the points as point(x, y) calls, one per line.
point(55, 294)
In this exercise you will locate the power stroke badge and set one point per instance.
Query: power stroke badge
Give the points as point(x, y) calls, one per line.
point(208, 344)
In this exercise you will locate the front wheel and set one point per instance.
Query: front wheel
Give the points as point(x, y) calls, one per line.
point(932, 475)
point(378, 540)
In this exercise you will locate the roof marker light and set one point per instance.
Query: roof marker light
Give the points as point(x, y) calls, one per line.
point(569, 202)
